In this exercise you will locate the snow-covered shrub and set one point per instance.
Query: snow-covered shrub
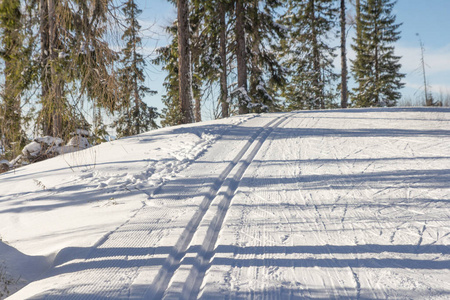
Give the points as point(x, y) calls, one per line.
point(42, 148)
point(4, 165)
point(5, 281)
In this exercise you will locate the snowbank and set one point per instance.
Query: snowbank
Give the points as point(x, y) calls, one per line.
point(72, 200)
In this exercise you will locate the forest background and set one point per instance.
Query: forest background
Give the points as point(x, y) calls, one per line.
point(114, 64)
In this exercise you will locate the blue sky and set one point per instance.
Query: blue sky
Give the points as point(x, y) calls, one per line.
point(428, 18)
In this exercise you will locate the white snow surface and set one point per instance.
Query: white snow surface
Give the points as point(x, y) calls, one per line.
point(339, 204)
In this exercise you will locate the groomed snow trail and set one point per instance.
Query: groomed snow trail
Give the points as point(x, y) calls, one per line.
point(345, 204)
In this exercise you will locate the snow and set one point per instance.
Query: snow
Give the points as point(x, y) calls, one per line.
point(318, 204)
point(81, 132)
point(49, 140)
point(32, 149)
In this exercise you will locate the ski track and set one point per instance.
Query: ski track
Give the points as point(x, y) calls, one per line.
point(355, 274)
point(300, 206)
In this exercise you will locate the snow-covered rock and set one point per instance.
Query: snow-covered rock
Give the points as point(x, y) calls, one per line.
point(32, 149)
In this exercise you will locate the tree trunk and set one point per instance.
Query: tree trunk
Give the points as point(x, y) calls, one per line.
point(184, 62)
point(55, 80)
point(240, 56)
point(428, 100)
point(316, 59)
point(223, 57)
point(255, 72)
point(137, 99)
point(358, 39)
point(197, 109)
point(377, 71)
point(344, 91)
point(45, 75)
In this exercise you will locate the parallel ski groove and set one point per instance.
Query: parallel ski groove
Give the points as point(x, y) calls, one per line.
point(192, 285)
point(171, 264)
point(92, 291)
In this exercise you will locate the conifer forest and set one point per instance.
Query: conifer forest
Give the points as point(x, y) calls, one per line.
point(72, 66)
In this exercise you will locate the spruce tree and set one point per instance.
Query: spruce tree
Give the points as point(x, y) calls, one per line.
point(241, 41)
point(206, 62)
point(257, 41)
point(376, 69)
point(167, 57)
point(16, 57)
point(309, 55)
point(137, 116)
point(205, 49)
point(266, 72)
point(75, 62)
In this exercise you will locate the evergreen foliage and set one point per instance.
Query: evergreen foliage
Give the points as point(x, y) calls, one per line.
point(15, 57)
point(308, 54)
point(168, 59)
point(266, 73)
point(75, 62)
point(241, 54)
point(137, 116)
point(376, 69)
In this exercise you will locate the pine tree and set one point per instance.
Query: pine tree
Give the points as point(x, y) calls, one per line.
point(309, 56)
point(376, 69)
point(137, 116)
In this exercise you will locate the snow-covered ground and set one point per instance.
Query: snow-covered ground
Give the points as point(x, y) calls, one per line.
point(351, 204)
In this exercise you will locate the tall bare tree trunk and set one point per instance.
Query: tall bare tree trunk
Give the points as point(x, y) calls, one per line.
point(223, 57)
point(184, 62)
point(344, 72)
point(55, 80)
point(240, 56)
point(377, 71)
point(197, 109)
point(137, 99)
point(255, 71)
point(428, 99)
point(45, 65)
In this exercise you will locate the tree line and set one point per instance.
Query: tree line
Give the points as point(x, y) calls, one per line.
point(278, 55)
point(249, 56)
